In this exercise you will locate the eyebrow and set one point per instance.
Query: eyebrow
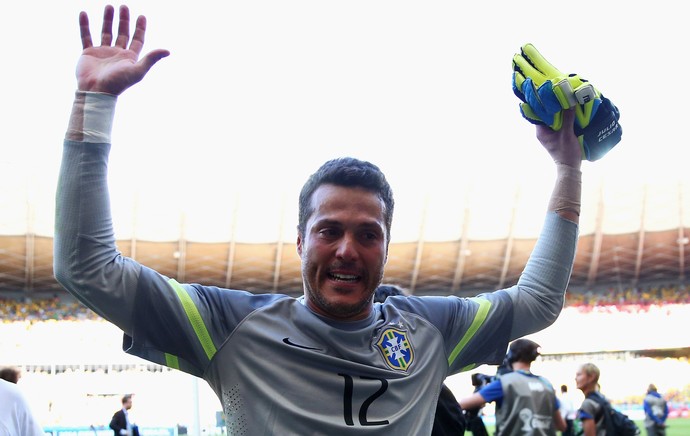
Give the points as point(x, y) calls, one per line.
point(367, 225)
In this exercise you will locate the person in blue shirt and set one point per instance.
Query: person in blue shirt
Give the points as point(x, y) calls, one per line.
point(655, 412)
point(526, 404)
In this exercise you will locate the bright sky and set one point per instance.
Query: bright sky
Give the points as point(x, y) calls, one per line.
point(257, 94)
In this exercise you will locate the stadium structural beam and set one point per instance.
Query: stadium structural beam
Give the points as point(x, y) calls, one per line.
point(510, 240)
point(640, 238)
point(420, 247)
point(598, 238)
point(463, 252)
point(30, 248)
point(182, 249)
point(232, 245)
point(279, 248)
point(682, 239)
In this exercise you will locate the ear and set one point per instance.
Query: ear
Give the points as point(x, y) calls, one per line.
point(299, 244)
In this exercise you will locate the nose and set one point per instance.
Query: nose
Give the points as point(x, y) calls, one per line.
point(347, 248)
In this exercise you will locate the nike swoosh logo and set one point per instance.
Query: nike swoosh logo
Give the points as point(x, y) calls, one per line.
point(289, 342)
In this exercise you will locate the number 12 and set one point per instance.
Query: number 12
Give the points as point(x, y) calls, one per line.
point(347, 401)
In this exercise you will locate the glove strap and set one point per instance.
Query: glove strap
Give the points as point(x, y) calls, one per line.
point(565, 94)
point(568, 190)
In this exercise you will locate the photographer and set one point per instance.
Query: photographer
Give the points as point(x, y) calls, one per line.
point(525, 403)
point(473, 416)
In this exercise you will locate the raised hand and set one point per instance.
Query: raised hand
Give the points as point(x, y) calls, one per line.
point(562, 145)
point(113, 67)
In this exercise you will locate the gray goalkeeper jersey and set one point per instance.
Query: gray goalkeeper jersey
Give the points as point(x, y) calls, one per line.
point(277, 367)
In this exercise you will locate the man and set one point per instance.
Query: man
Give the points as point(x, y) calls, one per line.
point(526, 403)
point(16, 417)
point(655, 412)
point(475, 422)
point(327, 362)
point(568, 410)
point(120, 423)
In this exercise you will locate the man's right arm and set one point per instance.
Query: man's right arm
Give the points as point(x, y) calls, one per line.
point(86, 261)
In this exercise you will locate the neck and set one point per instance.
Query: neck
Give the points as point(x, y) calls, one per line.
point(521, 366)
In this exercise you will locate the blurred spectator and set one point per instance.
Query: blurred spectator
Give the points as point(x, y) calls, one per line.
point(16, 417)
point(120, 424)
point(11, 374)
point(655, 412)
point(568, 411)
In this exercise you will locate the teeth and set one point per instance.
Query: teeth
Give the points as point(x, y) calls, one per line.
point(345, 277)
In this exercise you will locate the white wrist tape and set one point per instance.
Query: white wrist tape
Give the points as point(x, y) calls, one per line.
point(92, 117)
point(567, 191)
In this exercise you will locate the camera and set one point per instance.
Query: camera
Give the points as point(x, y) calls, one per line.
point(480, 380)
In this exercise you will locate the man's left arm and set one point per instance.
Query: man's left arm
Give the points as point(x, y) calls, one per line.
point(539, 295)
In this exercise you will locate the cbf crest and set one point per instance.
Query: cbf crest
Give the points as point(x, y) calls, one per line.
point(396, 348)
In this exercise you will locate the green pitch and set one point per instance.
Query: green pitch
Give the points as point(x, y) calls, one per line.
point(676, 427)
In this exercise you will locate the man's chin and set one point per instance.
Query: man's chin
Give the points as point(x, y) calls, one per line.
point(341, 308)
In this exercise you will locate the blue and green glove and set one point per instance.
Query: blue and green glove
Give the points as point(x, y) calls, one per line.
point(545, 92)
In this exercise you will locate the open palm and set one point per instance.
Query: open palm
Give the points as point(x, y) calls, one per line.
point(114, 68)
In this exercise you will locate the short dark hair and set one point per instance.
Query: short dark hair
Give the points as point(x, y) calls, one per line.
point(523, 350)
point(385, 291)
point(347, 172)
point(126, 398)
point(10, 374)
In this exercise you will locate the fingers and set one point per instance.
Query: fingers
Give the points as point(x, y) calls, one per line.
point(107, 28)
point(139, 35)
point(532, 55)
point(86, 41)
point(123, 28)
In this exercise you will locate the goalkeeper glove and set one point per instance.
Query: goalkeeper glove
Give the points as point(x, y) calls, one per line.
point(545, 92)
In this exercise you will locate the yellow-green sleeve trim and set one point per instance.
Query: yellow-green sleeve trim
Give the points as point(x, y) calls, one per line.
point(195, 319)
point(171, 361)
point(479, 318)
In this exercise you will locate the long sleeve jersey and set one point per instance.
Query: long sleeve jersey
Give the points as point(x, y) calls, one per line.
point(276, 366)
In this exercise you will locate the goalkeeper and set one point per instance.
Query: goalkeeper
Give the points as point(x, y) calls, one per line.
point(546, 92)
point(331, 361)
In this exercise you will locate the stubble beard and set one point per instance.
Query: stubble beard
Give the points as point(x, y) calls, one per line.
point(337, 310)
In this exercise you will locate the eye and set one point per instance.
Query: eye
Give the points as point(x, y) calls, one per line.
point(329, 232)
point(370, 235)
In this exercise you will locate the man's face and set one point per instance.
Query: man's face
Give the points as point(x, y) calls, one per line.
point(127, 404)
point(343, 251)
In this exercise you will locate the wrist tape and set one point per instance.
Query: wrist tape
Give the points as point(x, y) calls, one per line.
point(92, 117)
point(567, 191)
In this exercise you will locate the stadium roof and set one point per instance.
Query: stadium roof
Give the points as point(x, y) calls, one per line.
point(627, 238)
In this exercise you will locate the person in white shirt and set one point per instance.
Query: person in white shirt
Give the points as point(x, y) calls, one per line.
point(568, 411)
point(16, 417)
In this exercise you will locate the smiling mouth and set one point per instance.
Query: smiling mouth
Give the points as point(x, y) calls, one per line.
point(345, 278)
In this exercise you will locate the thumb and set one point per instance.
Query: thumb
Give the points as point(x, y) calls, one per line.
point(151, 58)
point(568, 119)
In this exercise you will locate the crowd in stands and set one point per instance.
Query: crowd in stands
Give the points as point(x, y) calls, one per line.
point(625, 299)
point(631, 299)
point(42, 309)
